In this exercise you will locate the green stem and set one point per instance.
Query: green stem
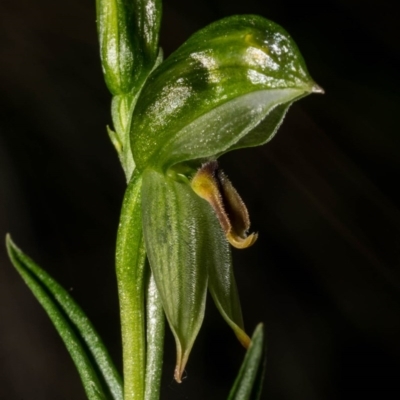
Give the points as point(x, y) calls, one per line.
point(130, 261)
point(155, 323)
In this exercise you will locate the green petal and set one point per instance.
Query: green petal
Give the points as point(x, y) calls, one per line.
point(248, 383)
point(175, 243)
point(217, 87)
point(221, 280)
point(89, 354)
point(128, 35)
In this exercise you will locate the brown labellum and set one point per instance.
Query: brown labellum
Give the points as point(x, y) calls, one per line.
point(211, 184)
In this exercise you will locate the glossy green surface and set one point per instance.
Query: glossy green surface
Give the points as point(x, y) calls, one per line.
point(229, 86)
point(208, 95)
point(85, 346)
point(128, 35)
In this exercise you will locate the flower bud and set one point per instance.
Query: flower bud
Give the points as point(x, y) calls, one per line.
point(128, 34)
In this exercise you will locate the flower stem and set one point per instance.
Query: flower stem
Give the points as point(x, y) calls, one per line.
point(155, 340)
point(130, 261)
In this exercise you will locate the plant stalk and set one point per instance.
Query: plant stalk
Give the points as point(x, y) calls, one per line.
point(130, 262)
point(155, 326)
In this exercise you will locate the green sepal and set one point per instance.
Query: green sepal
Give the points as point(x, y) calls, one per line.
point(128, 35)
point(176, 248)
point(187, 250)
point(208, 95)
point(221, 280)
point(85, 346)
point(248, 384)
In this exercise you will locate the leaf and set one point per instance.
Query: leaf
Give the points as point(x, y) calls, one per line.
point(128, 35)
point(217, 87)
point(82, 341)
point(176, 248)
point(248, 383)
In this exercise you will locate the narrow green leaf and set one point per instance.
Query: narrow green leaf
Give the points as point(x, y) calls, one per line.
point(176, 247)
point(130, 261)
point(128, 35)
point(155, 324)
point(72, 325)
point(259, 380)
point(248, 383)
point(238, 69)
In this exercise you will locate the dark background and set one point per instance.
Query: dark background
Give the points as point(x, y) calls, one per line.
point(324, 275)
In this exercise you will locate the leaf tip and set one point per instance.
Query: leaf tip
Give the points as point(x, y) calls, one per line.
point(10, 245)
point(258, 335)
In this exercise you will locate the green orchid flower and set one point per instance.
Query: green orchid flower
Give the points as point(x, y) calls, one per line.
point(228, 87)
